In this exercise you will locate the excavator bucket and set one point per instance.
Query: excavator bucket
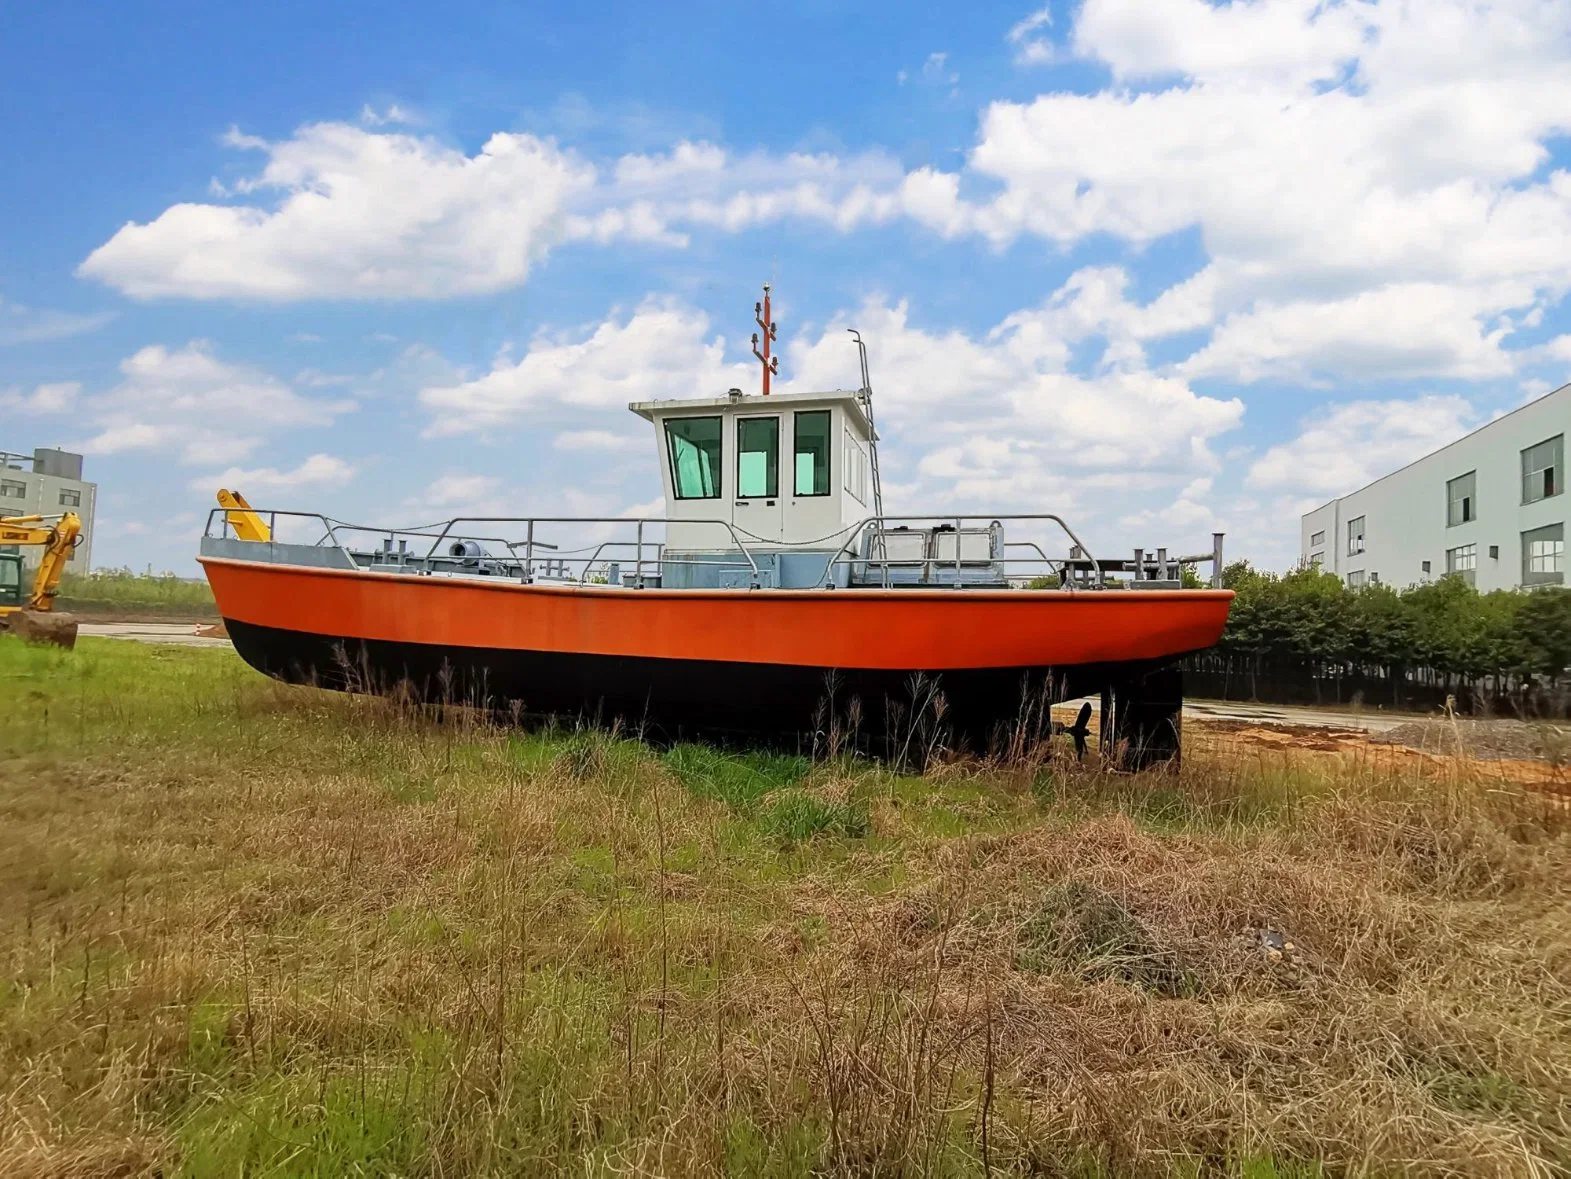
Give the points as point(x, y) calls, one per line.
point(41, 626)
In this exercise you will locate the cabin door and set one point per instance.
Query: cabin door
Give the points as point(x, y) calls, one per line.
point(758, 513)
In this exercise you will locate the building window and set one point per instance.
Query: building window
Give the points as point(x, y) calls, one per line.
point(70, 499)
point(1316, 560)
point(757, 458)
point(1317, 540)
point(1355, 537)
point(1462, 499)
point(1355, 579)
point(1543, 469)
point(811, 450)
point(1544, 555)
point(13, 489)
point(1426, 567)
point(1462, 562)
point(695, 457)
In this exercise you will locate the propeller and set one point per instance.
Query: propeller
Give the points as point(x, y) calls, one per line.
point(1079, 730)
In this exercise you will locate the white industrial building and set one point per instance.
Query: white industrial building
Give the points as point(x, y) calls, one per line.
point(47, 483)
point(1491, 507)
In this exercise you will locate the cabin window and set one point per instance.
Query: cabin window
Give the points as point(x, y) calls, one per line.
point(855, 469)
point(757, 458)
point(695, 457)
point(811, 450)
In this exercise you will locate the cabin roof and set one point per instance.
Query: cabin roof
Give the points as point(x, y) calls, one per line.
point(848, 399)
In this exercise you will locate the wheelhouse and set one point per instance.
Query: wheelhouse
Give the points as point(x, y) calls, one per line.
point(790, 475)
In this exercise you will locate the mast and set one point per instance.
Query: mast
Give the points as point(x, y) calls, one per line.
point(761, 318)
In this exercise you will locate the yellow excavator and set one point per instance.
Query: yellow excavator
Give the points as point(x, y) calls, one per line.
point(33, 616)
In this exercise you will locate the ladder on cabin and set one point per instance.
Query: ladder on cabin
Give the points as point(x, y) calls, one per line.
point(872, 429)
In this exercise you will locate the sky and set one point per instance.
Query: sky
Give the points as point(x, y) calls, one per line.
point(1163, 267)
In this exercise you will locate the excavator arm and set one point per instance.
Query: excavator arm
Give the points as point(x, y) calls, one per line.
point(58, 541)
point(35, 618)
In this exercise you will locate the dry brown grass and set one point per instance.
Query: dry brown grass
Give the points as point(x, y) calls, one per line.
point(247, 928)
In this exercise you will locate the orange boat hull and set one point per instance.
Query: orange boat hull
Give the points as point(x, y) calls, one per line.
point(729, 658)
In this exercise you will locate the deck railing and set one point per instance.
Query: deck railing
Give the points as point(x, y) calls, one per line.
point(871, 551)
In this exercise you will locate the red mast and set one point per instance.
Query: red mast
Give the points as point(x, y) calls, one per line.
point(761, 318)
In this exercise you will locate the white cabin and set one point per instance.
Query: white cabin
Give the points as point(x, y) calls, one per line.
point(786, 471)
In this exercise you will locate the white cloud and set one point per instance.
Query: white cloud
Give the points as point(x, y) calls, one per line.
point(460, 490)
point(661, 350)
point(1325, 153)
point(29, 325)
point(1402, 330)
point(601, 440)
point(50, 398)
point(1031, 48)
point(319, 470)
point(394, 113)
point(999, 419)
point(358, 215)
point(1370, 181)
point(188, 403)
point(1273, 41)
point(936, 69)
point(1343, 447)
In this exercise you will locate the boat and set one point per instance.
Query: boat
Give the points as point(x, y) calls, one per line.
point(774, 598)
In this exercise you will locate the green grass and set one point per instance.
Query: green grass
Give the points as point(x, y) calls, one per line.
point(254, 929)
point(122, 593)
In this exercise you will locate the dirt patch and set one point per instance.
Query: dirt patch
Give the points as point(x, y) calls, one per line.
point(1313, 737)
point(1483, 738)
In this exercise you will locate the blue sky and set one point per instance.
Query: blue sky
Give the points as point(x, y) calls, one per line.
point(1162, 265)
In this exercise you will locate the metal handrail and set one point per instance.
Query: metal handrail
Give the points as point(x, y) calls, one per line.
point(958, 520)
point(655, 551)
point(640, 521)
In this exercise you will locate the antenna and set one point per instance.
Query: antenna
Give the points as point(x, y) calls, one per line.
point(762, 319)
point(866, 395)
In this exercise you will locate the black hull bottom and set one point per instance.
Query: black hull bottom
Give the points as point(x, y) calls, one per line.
point(672, 699)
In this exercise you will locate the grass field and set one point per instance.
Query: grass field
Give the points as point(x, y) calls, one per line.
point(260, 930)
point(120, 593)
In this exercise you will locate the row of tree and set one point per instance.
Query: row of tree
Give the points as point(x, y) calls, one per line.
point(1446, 627)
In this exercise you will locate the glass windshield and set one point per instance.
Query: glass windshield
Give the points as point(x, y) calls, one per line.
point(812, 452)
point(757, 457)
point(695, 457)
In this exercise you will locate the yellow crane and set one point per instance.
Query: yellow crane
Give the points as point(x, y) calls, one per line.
point(248, 525)
point(20, 613)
